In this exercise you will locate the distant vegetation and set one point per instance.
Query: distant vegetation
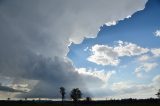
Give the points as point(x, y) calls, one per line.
point(158, 94)
point(76, 94)
point(62, 91)
point(123, 102)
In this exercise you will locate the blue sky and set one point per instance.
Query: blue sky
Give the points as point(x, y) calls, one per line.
point(139, 29)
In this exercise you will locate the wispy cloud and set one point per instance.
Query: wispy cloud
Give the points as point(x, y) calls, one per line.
point(144, 58)
point(145, 67)
point(126, 89)
point(101, 74)
point(156, 52)
point(86, 48)
point(157, 33)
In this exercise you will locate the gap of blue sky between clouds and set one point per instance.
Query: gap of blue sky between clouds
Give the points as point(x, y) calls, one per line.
point(130, 48)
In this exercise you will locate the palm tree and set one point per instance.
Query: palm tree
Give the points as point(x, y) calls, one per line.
point(62, 91)
point(158, 94)
point(75, 94)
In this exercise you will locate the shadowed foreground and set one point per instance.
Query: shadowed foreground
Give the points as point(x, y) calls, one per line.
point(125, 102)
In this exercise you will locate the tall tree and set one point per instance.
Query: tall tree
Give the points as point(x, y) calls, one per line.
point(158, 94)
point(75, 94)
point(62, 91)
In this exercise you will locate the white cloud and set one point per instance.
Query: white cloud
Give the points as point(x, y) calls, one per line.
point(129, 49)
point(149, 66)
point(157, 33)
point(111, 23)
point(22, 87)
point(86, 49)
point(101, 74)
point(119, 86)
point(144, 58)
point(156, 79)
point(145, 67)
point(106, 55)
point(129, 16)
point(156, 52)
point(128, 89)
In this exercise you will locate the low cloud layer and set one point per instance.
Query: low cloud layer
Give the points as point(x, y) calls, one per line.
point(101, 74)
point(9, 89)
point(124, 89)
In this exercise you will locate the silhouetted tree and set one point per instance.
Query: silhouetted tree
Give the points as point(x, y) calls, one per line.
point(75, 94)
point(88, 99)
point(158, 94)
point(39, 99)
point(8, 99)
point(62, 91)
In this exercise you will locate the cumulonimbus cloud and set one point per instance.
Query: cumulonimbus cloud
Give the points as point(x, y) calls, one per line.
point(35, 35)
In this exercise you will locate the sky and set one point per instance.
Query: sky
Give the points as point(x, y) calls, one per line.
point(106, 48)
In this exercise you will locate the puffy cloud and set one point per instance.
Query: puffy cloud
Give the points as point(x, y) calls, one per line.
point(157, 33)
point(129, 16)
point(106, 55)
point(129, 49)
point(145, 67)
point(35, 35)
point(111, 23)
point(156, 52)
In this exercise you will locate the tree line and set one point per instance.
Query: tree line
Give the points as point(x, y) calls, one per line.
point(76, 94)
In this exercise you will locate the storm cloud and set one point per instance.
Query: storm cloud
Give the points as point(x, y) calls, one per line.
point(35, 35)
point(9, 89)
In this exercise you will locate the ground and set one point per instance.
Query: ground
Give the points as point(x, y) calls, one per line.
point(127, 102)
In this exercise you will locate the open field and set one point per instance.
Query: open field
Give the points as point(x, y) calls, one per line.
point(128, 102)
